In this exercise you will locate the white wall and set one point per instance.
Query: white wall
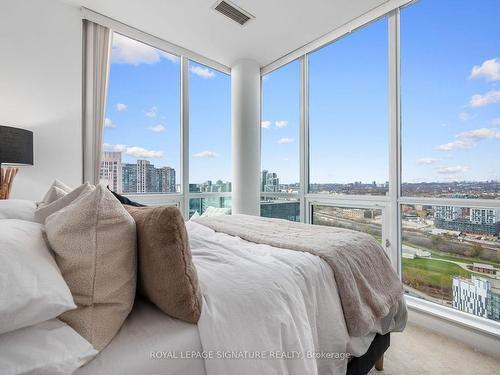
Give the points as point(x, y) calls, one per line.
point(40, 89)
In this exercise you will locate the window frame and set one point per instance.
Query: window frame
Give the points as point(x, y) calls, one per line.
point(302, 121)
point(180, 199)
point(392, 203)
point(187, 195)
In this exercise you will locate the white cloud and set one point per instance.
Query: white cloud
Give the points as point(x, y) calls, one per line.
point(281, 124)
point(136, 151)
point(426, 161)
point(490, 97)
point(108, 124)
point(140, 152)
point(469, 139)
point(205, 154)
point(285, 141)
point(130, 51)
point(452, 170)
point(455, 145)
point(120, 107)
point(489, 70)
point(157, 128)
point(465, 116)
point(202, 72)
point(478, 134)
point(152, 112)
point(265, 124)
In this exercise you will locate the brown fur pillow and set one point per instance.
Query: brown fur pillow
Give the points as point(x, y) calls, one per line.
point(167, 275)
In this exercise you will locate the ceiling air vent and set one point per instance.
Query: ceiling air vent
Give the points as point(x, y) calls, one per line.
point(232, 11)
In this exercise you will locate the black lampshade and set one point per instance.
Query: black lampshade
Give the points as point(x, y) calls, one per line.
point(16, 146)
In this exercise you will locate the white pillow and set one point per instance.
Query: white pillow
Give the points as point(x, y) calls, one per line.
point(32, 289)
point(51, 347)
point(46, 210)
point(56, 190)
point(17, 209)
point(214, 211)
point(195, 216)
point(53, 194)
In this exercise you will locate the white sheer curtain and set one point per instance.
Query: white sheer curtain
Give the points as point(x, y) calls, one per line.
point(97, 51)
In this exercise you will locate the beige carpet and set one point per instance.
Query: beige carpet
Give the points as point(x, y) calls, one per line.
point(417, 351)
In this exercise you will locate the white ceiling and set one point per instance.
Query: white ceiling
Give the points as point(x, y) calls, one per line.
point(280, 26)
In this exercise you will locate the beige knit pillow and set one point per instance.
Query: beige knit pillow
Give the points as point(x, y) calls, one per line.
point(166, 275)
point(94, 240)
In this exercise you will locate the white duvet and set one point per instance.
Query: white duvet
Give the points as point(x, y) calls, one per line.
point(271, 311)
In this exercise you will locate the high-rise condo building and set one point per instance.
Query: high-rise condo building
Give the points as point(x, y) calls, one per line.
point(166, 179)
point(447, 212)
point(111, 170)
point(476, 220)
point(143, 175)
point(484, 215)
point(129, 178)
point(470, 295)
point(478, 295)
point(269, 182)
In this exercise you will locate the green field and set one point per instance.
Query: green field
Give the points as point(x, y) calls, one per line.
point(468, 260)
point(452, 257)
point(433, 273)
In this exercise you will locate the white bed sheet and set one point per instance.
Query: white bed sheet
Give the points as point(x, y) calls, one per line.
point(260, 299)
point(148, 330)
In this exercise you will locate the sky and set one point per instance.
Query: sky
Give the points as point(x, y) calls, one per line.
point(450, 66)
point(450, 92)
point(143, 111)
point(450, 89)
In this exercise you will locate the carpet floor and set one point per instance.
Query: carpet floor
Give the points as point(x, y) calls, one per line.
point(418, 351)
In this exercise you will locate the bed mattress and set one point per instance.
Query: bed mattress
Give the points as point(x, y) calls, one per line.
point(147, 344)
point(147, 330)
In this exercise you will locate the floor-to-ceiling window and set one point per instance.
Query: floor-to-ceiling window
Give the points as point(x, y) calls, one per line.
point(348, 128)
point(209, 138)
point(400, 138)
point(141, 150)
point(156, 133)
point(450, 142)
point(280, 140)
point(348, 114)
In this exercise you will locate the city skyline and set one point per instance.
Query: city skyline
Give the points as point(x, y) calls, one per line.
point(139, 177)
point(270, 183)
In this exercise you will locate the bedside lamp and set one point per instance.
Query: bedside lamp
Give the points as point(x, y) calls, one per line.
point(16, 148)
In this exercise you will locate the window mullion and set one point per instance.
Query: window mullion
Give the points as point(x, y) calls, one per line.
point(394, 141)
point(304, 137)
point(185, 135)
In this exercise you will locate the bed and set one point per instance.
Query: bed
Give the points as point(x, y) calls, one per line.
point(143, 347)
point(265, 310)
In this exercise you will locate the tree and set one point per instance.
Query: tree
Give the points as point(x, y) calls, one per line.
point(436, 242)
point(477, 249)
